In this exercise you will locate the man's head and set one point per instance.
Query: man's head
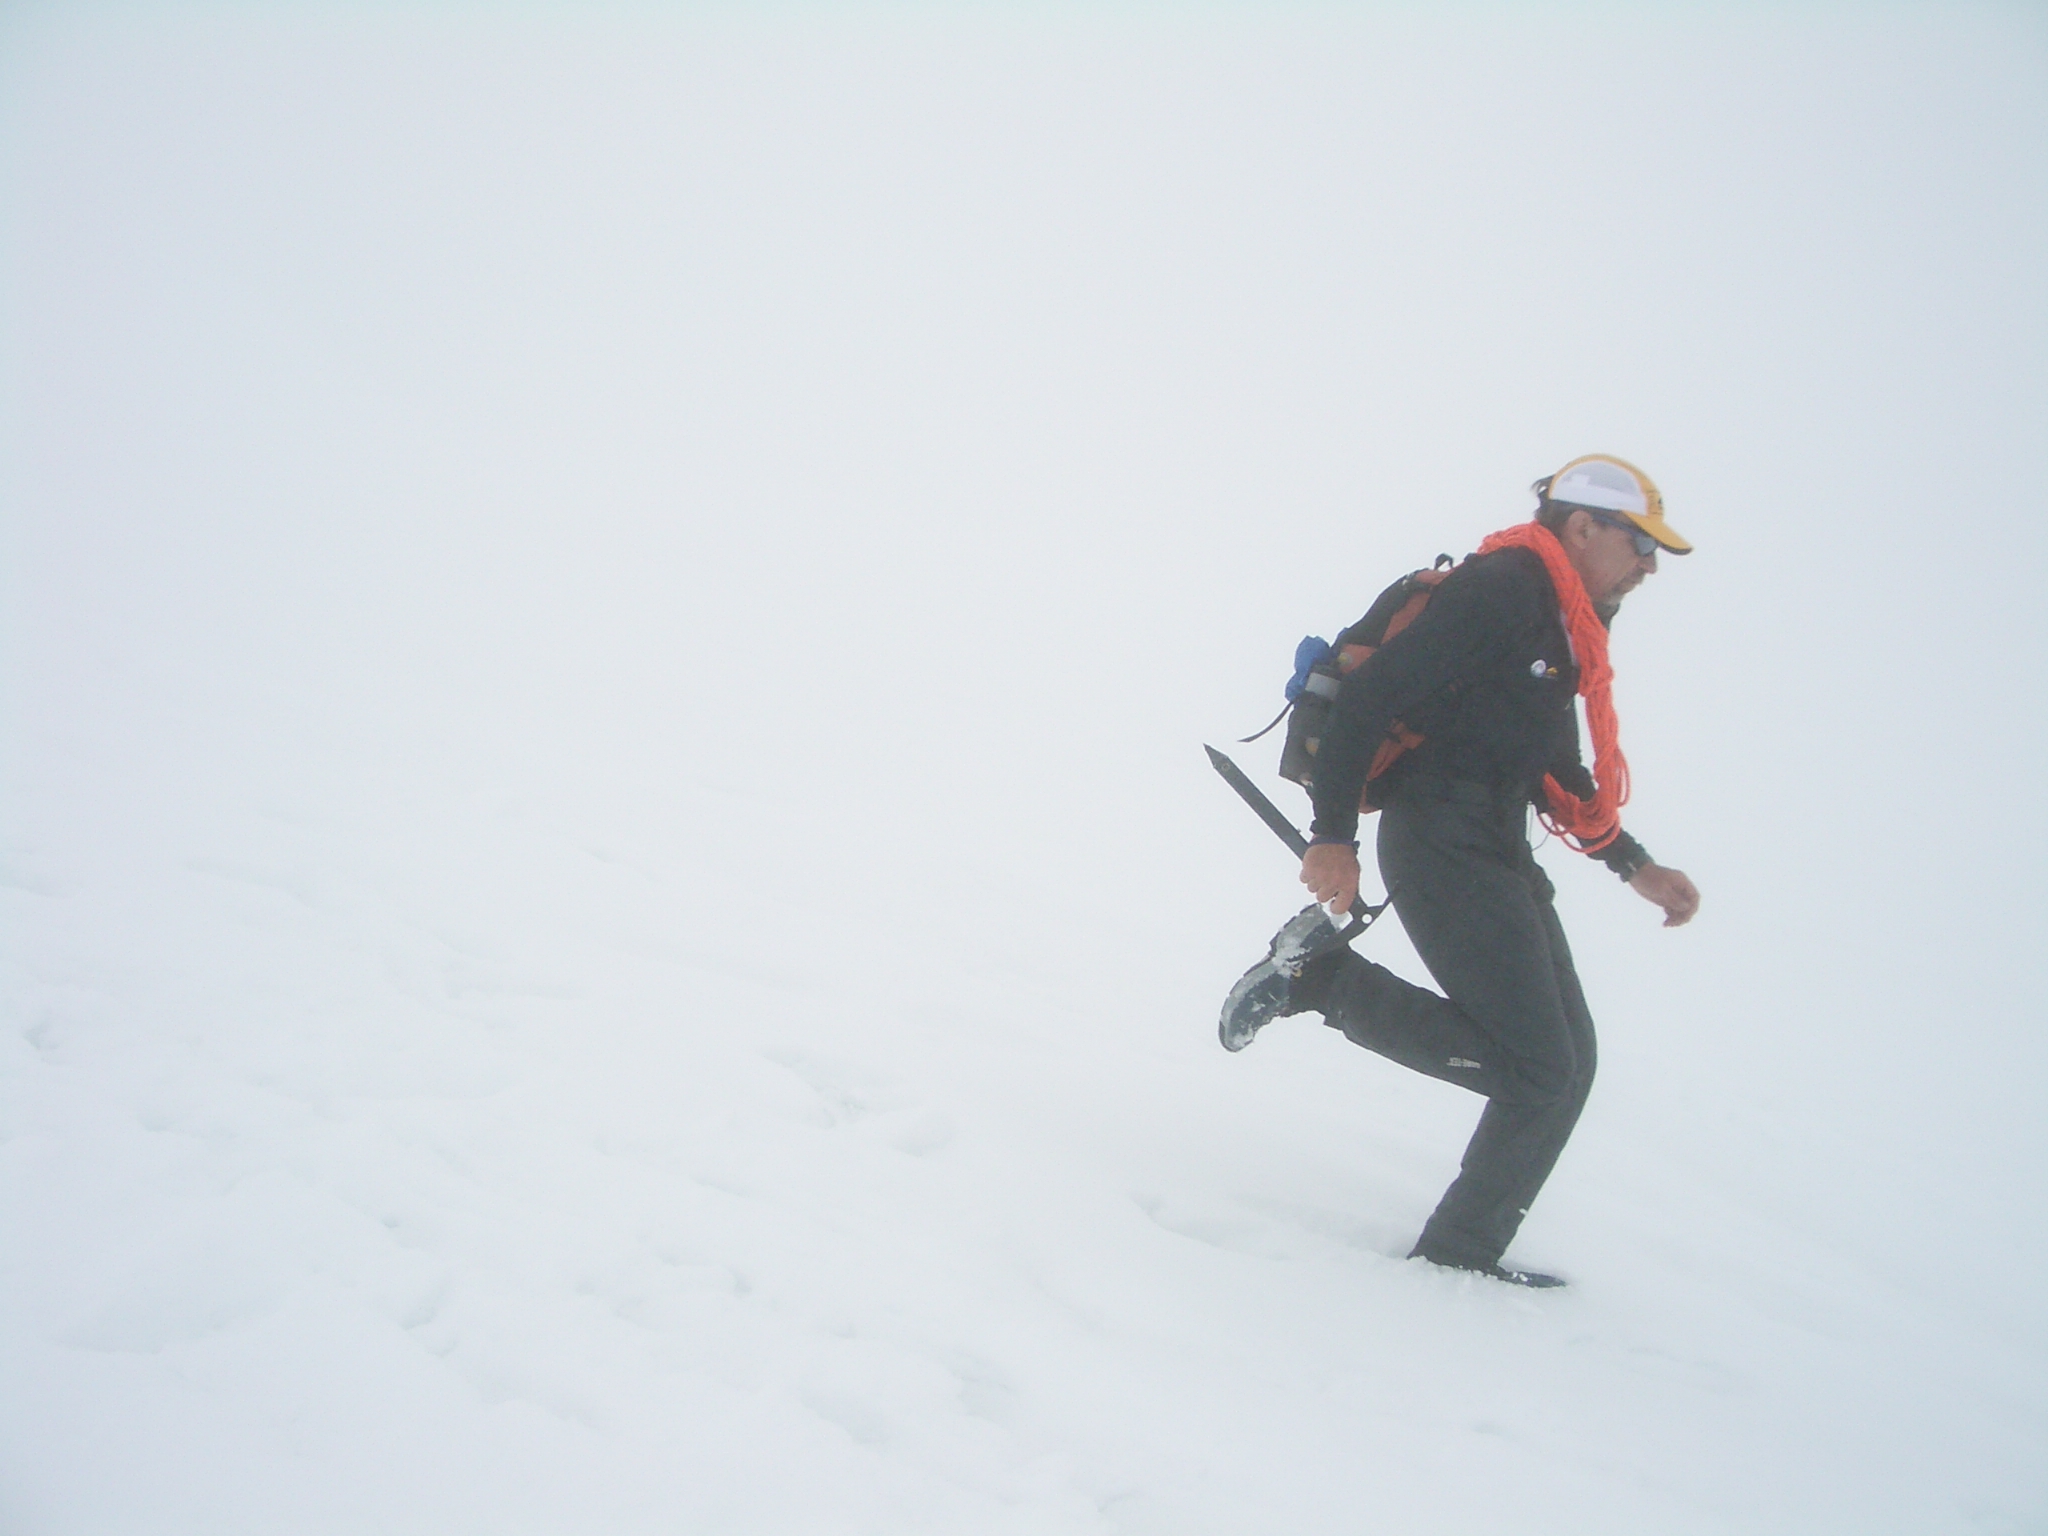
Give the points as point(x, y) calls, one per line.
point(1610, 519)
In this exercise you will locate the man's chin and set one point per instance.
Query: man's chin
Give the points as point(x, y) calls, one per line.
point(1608, 606)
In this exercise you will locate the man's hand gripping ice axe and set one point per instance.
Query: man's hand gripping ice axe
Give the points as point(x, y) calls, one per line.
point(1361, 915)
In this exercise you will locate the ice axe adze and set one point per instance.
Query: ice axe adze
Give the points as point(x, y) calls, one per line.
point(1361, 915)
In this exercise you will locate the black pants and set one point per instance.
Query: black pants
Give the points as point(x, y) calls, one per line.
point(1512, 1022)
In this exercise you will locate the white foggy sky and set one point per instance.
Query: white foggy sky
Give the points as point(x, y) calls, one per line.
point(937, 421)
point(578, 366)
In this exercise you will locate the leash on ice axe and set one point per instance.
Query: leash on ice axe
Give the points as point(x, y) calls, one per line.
point(1362, 916)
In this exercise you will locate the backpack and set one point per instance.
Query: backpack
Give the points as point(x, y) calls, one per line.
point(1320, 669)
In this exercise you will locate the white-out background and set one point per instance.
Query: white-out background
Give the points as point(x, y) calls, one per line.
point(613, 914)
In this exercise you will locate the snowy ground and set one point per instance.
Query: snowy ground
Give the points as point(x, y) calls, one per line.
point(613, 915)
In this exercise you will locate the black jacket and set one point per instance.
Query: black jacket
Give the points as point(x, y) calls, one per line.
point(1486, 676)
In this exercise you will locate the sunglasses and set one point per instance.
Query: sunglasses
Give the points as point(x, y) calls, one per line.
point(1645, 545)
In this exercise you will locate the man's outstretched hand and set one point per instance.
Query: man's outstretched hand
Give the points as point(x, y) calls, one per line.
point(1668, 888)
point(1330, 871)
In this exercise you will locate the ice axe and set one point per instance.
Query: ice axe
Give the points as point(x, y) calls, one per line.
point(1362, 916)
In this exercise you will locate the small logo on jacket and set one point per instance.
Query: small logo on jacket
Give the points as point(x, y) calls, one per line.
point(1459, 1061)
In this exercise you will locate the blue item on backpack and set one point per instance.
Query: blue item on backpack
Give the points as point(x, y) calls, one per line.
point(1313, 648)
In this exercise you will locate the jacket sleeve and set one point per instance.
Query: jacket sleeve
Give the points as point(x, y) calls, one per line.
point(1466, 627)
point(1624, 855)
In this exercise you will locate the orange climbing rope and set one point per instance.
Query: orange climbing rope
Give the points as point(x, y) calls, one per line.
point(1588, 825)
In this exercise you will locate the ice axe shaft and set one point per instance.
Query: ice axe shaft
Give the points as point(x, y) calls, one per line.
point(1361, 915)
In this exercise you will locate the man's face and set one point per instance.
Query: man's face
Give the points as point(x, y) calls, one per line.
point(1606, 559)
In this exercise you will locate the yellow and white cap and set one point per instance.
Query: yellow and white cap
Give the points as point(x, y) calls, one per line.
point(1602, 483)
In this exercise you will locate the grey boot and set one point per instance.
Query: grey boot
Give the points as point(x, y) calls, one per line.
point(1263, 992)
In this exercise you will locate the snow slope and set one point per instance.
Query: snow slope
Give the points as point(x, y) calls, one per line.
point(613, 917)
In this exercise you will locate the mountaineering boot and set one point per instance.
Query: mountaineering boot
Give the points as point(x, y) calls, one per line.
point(1530, 1279)
point(1534, 1279)
point(1263, 992)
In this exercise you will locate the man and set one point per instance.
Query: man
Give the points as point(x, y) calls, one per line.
point(1488, 676)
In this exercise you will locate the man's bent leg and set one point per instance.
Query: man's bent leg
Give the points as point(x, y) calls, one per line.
point(1412, 1025)
point(1459, 878)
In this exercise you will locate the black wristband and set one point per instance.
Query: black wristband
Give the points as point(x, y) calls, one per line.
point(1625, 856)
